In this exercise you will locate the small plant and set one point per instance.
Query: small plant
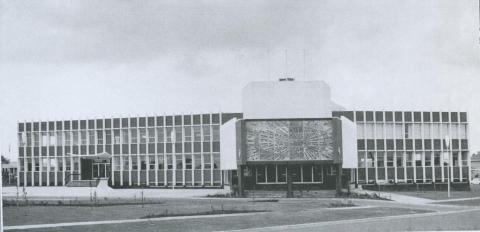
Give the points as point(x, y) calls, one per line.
point(341, 204)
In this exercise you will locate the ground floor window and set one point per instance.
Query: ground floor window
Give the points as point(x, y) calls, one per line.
point(277, 173)
point(151, 161)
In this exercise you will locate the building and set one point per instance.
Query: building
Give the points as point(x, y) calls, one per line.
point(475, 163)
point(9, 173)
point(289, 135)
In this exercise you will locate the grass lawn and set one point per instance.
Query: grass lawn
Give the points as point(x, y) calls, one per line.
point(38, 214)
point(283, 211)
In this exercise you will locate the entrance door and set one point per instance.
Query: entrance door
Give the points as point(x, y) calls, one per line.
point(87, 166)
point(101, 170)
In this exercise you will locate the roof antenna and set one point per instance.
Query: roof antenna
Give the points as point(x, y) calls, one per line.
point(286, 78)
point(304, 65)
point(268, 63)
point(286, 62)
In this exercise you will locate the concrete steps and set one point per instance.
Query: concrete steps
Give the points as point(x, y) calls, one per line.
point(296, 194)
point(83, 183)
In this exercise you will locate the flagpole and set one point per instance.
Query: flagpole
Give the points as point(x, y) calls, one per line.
point(447, 141)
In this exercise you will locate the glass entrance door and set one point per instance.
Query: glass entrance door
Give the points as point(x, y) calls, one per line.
point(100, 170)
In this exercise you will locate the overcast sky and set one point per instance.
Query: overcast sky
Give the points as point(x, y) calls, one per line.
point(79, 59)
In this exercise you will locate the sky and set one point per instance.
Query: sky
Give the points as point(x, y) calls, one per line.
point(78, 59)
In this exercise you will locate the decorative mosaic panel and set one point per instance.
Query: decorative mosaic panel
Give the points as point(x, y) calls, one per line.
point(289, 140)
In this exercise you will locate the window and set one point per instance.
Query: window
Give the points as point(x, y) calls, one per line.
point(418, 159)
point(331, 171)
point(29, 164)
point(143, 162)
point(445, 130)
point(400, 159)
point(445, 158)
point(417, 131)
point(455, 157)
point(160, 137)
point(187, 132)
point(44, 164)
point(271, 173)
point(359, 116)
point(454, 130)
point(60, 164)
point(197, 161)
point(29, 139)
point(125, 160)
point(369, 131)
point(463, 131)
point(99, 137)
point(68, 139)
point(361, 159)
point(360, 130)
point(188, 162)
point(380, 159)
point(160, 162)
point(76, 164)
point(151, 135)
point(436, 131)
point(67, 164)
point(206, 133)
point(44, 139)
point(390, 159)
point(436, 160)
point(426, 131)
point(379, 131)
point(260, 171)
point(207, 161)
point(36, 164)
point(178, 134)
point(369, 116)
point(428, 159)
point(169, 134)
point(464, 158)
point(179, 162)
point(116, 136)
point(83, 137)
point(36, 139)
point(307, 173)
point(216, 133)
point(75, 138)
point(124, 136)
point(398, 131)
point(22, 165)
point(281, 173)
point(370, 159)
point(197, 135)
point(91, 137)
point(143, 135)
point(52, 164)
point(169, 162)
point(116, 163)
point(216, 161)
point(133, 136)
point(58, 137)
point(389, 131)
point(151, 162)
point(408, 130)
point(134, 162)
point(409, 159)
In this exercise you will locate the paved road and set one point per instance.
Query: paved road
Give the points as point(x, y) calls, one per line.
point(452, 220)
